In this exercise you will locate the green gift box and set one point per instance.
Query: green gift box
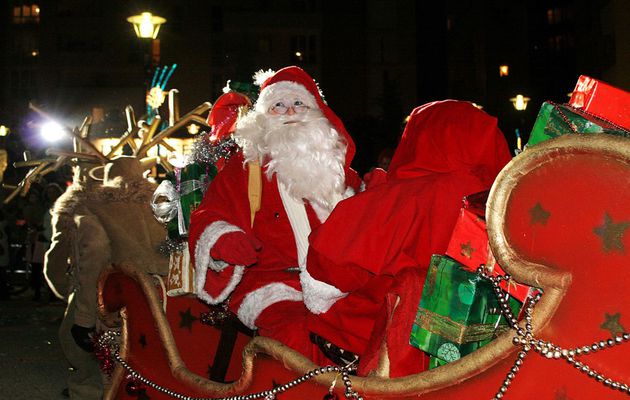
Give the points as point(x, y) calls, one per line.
point(555, 120)
point(458, 312)
point(191, 183)
point(435, 362)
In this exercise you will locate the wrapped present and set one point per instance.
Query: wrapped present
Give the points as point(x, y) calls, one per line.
point(555, 120)
point(603, 100)
point(469, 244)
point(181, 273)
point(458, 312)
point(435, 362)
point(183, 191)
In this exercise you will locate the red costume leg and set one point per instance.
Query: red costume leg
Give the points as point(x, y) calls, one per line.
point(285, 322)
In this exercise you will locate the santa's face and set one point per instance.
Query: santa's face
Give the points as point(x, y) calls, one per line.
point(300, 146)
point(288, 107)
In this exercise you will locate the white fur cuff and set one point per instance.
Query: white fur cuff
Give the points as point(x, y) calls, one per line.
point(203, 261)
point(257, 301)
point(206, 242)
point(319, 296)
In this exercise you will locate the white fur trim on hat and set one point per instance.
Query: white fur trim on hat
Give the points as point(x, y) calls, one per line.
point(261, 76)
point(203, 261)
point(258, 300)
point(284, 90)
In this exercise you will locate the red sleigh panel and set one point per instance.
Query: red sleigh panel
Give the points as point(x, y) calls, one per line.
point(558, 218)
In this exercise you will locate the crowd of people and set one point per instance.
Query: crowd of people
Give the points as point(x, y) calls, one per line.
point(25, 233)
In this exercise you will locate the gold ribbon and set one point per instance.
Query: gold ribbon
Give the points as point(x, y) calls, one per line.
point(455, 331)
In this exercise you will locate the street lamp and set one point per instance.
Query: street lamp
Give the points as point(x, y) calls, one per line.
point(146, 25)
point(520, 102)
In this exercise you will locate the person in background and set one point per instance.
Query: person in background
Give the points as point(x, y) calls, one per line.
point(34, 211)
point(4, 257)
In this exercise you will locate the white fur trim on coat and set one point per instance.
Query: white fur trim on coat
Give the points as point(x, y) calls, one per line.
point(284, 90)
point(257, 301)
point(203, 261)
point(318, 296)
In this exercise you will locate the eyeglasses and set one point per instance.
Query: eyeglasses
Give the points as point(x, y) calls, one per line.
point(282, 108)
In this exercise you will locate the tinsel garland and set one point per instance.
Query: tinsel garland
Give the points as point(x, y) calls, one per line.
point(169, 246)
point(206, 151)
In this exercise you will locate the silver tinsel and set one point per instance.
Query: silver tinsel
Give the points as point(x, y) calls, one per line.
point(170, 246)
point(206, 151)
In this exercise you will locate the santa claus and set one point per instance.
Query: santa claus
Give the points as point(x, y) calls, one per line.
point(249, 236)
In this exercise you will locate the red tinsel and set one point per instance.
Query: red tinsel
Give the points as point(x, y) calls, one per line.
point(104, 356)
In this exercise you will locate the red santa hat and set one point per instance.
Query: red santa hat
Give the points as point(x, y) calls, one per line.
point(225, 112)
point(295, 81)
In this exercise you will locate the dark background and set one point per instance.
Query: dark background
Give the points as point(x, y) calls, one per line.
point(375, 60)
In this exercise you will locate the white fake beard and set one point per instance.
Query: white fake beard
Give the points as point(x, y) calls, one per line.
point(307, 155)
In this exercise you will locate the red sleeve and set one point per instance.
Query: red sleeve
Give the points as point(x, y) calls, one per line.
point(225, 200)
point(353, 180)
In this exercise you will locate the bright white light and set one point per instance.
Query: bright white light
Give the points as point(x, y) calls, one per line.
point(52, 132)
point(193, 129)
point(520, 102)
point(146, 26)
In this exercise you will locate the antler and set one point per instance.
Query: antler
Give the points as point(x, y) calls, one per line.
point(192, 116)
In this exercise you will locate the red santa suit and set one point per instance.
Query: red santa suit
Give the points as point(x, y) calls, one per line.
point(376, 246)
point(268, 295)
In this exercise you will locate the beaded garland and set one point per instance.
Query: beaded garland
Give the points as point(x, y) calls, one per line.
point(108, 340)
point(526, 340)
point(108, 348)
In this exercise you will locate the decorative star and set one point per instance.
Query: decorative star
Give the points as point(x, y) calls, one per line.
point(187, 319)
point(538, 215)
point(142, 395)
point(561, 394)
point(466, 249)
point(612, 233)
point(612, 324)
point(143, 340)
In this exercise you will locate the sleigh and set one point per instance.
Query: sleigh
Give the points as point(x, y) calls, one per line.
point(558, 218)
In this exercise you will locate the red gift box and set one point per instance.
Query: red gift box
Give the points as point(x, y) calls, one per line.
point(469, 246)
point(602, 100)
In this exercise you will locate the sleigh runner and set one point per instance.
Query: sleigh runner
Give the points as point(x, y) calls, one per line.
point(575, 348)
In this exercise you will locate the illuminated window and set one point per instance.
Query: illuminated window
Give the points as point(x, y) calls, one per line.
point(26, 14)
point(304, 49)
point(504, 70)
point(555, 15)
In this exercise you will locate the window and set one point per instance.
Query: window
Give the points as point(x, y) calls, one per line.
point(558, 15)
point(26, 14)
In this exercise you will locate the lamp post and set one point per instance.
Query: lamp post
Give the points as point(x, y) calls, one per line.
point(520, 104)
point(147, 26)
